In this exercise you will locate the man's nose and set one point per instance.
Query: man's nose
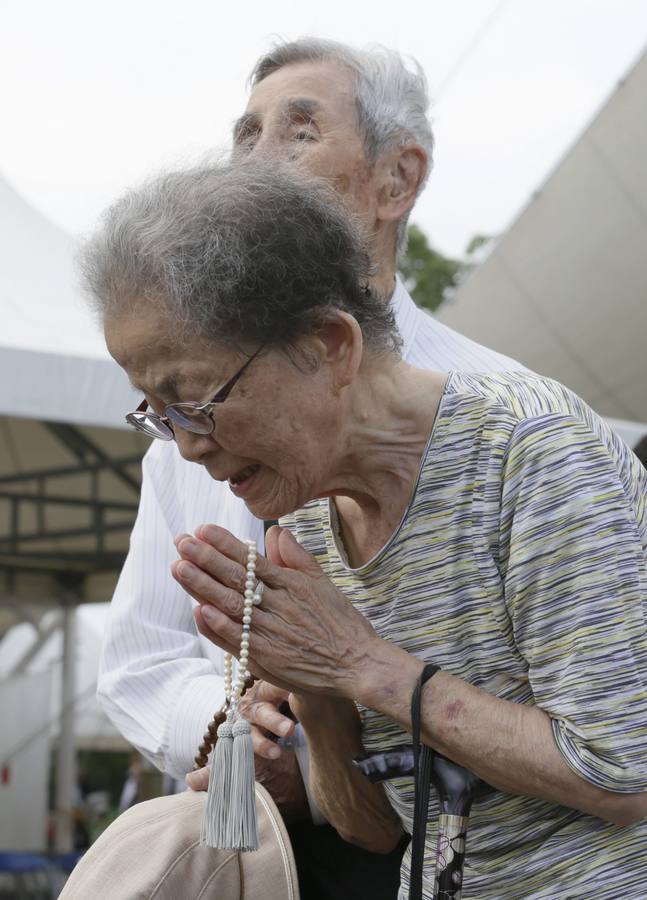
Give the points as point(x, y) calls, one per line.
point(269, 144)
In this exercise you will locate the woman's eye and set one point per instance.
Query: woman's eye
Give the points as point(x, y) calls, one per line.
point(155, 406)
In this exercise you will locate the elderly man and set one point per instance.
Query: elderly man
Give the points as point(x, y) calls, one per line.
point(358, 118)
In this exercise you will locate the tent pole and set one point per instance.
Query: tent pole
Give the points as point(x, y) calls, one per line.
point(66, 799)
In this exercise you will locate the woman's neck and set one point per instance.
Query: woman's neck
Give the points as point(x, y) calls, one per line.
point(390, 418)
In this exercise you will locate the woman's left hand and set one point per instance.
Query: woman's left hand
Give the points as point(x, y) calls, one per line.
point(306, 636)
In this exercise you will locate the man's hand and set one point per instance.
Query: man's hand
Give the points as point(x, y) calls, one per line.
point(282, 778)
point(265, 707)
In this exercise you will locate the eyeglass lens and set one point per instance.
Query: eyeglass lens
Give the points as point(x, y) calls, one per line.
point(150, 425)
point(191, 419)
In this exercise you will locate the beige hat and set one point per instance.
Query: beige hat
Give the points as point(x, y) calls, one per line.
point(153, 852)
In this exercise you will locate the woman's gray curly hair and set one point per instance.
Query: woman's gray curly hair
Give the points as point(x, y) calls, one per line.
point(245, 252)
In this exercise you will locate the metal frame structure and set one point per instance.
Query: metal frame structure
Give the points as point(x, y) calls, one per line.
point(25, 496)
point(60, 526)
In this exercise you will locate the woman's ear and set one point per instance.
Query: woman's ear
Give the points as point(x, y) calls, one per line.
point(340, 346)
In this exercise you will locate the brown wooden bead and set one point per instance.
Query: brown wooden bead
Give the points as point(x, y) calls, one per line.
point(210, 737)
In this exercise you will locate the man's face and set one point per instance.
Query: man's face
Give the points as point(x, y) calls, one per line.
point(306, 113)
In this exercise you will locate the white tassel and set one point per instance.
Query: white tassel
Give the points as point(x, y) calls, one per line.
point(229, 821)
point(214, 819)
point(244, 832)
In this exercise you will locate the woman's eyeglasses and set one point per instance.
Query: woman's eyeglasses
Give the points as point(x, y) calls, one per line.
point(194, 417)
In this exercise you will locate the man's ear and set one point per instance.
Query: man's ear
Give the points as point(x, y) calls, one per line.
point(404, 171)
point(340, 346)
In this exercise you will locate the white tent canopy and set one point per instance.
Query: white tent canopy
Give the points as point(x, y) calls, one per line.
point(565, 289)
point(69, 471)
point(53, 362)
point(68, 462)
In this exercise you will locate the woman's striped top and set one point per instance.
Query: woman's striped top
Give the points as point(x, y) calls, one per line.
point(520, 566)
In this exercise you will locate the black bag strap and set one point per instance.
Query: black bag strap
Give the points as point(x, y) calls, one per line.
point(423, 757)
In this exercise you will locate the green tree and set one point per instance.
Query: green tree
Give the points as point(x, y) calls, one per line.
point(427, 274)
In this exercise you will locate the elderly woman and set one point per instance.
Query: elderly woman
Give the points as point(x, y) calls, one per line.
point(490, 525)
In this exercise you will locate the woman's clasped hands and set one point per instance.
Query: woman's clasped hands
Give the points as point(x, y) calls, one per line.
point(306, 636)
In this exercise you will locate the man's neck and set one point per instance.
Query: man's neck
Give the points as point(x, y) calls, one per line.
point(383, 254)
point(383, 282)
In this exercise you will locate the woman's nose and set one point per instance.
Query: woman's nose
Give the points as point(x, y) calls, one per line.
point(193, 447)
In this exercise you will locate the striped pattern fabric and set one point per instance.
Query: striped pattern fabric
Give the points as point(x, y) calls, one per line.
point(160, 682)
point(520, 566)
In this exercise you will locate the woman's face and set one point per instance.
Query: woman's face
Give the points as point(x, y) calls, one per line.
point(275, 436)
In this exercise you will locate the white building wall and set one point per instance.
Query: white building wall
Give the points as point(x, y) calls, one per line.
point(24, 710)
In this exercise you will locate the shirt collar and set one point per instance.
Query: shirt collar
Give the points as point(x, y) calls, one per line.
point(406, 316)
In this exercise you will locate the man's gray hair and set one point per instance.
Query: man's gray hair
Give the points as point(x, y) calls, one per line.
point(391, 94)
point(246, 253)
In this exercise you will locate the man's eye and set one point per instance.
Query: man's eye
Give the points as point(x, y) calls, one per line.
point(246, 138)
point(303, 135)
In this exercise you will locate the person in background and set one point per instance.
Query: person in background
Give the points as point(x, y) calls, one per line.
point(130, 789)
point(641, 450)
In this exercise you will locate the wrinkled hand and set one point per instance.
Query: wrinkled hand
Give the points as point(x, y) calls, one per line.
point(306, 637)
point(281, 777)
point(276, 768)
point(267, 708)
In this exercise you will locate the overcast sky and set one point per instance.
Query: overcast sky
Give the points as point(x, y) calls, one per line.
point(96, 95)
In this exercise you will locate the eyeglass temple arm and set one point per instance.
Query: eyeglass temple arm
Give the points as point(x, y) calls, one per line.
point(223, 393)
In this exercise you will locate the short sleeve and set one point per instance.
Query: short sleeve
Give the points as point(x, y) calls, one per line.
point(575, 586)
